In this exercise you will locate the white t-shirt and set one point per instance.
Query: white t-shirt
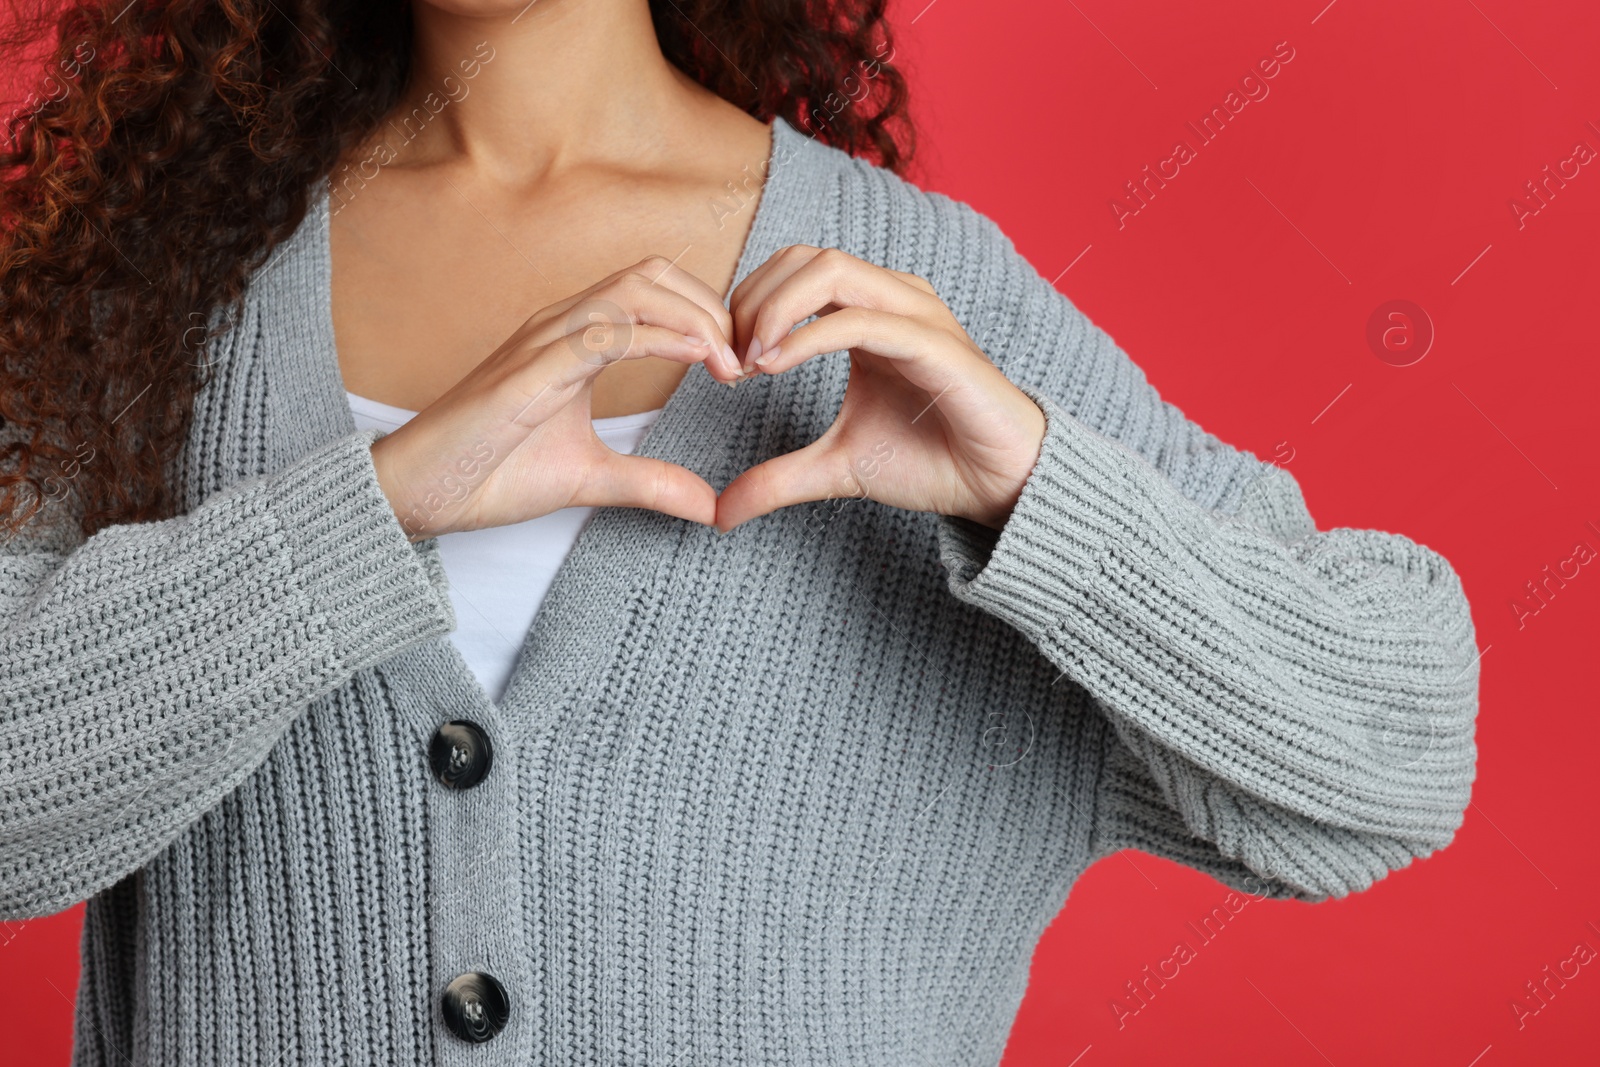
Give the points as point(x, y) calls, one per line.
point(499, 576)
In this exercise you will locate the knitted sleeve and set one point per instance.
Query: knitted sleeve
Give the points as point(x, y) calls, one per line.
point(1291, 708)
point(147, 670)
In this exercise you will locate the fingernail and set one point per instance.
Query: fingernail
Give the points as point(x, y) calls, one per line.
point(753, 352)
point(692, 339)
point(769, 357)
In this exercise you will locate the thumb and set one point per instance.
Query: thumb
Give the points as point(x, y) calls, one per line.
point(811, 473)
point(643, 482)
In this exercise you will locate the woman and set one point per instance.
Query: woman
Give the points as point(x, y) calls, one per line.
point(796, 773)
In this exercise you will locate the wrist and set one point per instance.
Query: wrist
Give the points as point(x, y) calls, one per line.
point(997, 511)
point(409, 513)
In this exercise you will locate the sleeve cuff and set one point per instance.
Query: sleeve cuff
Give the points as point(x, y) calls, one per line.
point(1078, 500)
point(379, 591)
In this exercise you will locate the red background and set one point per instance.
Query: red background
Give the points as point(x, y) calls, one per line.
point(1380, 167)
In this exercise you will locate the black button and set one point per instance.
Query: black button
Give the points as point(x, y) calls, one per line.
point(475, 1007)
point(460, 754)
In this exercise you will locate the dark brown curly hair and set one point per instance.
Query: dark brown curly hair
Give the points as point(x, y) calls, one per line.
point(169, 145)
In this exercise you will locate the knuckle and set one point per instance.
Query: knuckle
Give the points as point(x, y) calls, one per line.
point(652, 265)
point(631, 286)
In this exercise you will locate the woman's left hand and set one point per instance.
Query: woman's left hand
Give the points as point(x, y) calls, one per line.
point(928, 423)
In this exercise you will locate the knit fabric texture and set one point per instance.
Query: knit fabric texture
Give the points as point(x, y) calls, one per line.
point(807, 793)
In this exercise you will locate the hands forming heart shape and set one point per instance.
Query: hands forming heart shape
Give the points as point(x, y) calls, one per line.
point(928, 423)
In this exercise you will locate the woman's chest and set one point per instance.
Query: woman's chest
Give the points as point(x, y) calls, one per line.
point(427, 282)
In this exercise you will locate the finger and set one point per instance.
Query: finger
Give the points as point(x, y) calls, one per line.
point(690, 285)
point(534, 390)
point(882, 333)
point(601, 344)
point(783, 262)
point(659, 270)
point(930, 358)
point(676, 284)
point(746, 299)
point(916, 281)
point(814, 472)
point(834, 279)
point(644, 482)
point(661, 273)
point(634, 299)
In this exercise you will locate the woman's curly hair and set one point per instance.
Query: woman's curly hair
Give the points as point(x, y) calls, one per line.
point(170, 145)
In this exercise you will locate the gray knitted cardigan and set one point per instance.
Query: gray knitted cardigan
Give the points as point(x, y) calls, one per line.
point(803, 794)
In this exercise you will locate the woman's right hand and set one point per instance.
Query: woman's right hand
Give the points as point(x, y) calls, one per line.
point(514, 439)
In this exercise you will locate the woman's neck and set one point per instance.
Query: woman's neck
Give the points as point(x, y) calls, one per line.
point(570, 83)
